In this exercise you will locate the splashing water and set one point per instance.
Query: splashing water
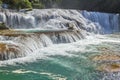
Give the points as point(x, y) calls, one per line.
point(40, 41)
point(82, 23)
point(109, 22)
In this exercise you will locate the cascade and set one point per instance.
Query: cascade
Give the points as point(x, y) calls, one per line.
point(16, 20)
point(59, 26)
point(20, 45)
point(48, 19)
point(108, 22)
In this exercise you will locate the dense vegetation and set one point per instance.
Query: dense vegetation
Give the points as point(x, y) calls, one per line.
point(21, 4)
point(92, 5)
point(17, 4)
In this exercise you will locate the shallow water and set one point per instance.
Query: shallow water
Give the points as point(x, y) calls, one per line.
point(70, 61)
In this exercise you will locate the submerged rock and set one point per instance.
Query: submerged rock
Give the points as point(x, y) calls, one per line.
point(106, 57)
point(108, 60)
point(106, 50)
point(109, 67)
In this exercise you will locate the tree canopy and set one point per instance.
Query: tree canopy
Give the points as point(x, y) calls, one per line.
point(21, 4)
point(17, 4)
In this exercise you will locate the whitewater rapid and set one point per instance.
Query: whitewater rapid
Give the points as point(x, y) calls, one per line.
point(67, 50)
point(57, 44)
point(83, 24)
point(62, 19)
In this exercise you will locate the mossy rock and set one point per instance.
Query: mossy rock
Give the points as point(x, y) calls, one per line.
point(3, 26)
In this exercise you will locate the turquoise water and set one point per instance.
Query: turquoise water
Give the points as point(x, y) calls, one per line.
point(62, 62)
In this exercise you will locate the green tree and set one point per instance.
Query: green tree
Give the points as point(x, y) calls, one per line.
point(24, 4)
point(18, 4)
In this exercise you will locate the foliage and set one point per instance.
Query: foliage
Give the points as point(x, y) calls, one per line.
point(0, 2)
point(18, 4)
point(21, 4)
point(24, 4)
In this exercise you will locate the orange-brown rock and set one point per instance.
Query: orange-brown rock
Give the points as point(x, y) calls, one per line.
point(16, 33)
point(12, 33)
point(8, 50)
point(109, 67)
point(3, 47)
point(106, 57)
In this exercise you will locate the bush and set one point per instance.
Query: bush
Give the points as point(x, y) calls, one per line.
point(24, 4)
point(18, 4)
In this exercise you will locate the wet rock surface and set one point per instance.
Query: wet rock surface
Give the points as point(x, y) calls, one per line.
point(107, 57)
point(9, 51)
point(107, 61)
point(114, 67)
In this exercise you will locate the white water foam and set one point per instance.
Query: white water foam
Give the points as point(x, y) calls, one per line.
point(35, 45)
point(60, 49)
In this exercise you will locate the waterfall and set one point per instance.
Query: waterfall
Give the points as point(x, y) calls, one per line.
point(22, 45)
point(48, 19)
point(17, 20)
point(62, 19)
point(64, 26)
point(108, 22)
